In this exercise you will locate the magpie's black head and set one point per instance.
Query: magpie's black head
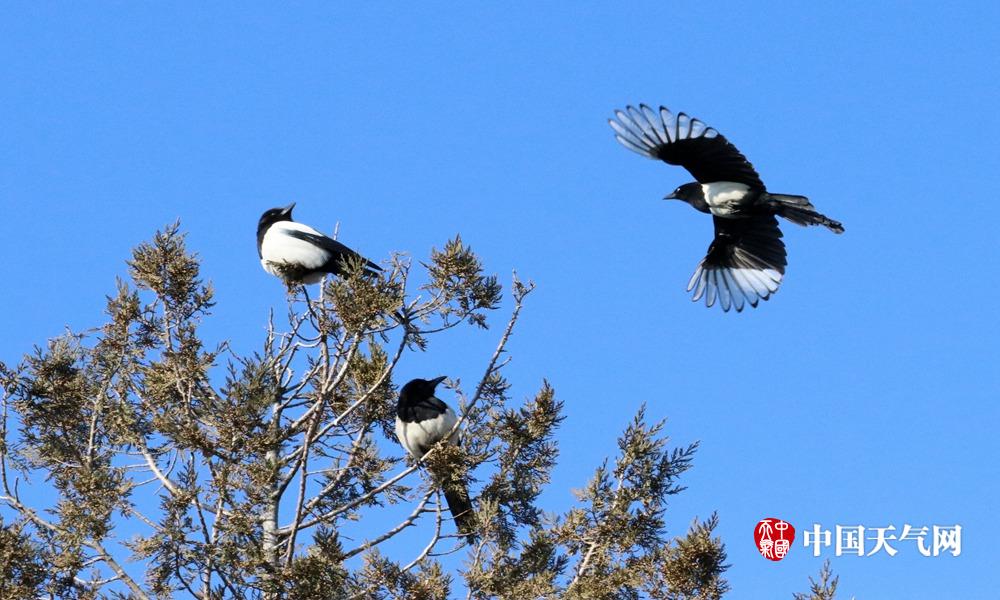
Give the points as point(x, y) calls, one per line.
point(418, 390)
point(273, 215)
point(692, 193)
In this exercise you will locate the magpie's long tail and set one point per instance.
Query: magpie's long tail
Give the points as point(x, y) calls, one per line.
point(371, 268)
point(800, 211)
point(457, 498)
point(344, 264)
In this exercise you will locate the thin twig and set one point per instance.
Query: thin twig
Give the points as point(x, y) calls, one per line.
point(419, 510)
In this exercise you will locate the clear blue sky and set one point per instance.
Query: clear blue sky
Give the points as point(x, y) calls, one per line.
point(864, 393)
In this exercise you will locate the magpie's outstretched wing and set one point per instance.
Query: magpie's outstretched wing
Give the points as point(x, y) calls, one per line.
point(681, 140)
point(338, 252)
point(746, 260)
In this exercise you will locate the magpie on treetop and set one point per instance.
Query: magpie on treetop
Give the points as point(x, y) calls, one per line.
point(747, 257)
point(422, 420)
point(298, 253)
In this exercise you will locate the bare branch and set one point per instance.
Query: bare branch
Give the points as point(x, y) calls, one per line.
point(409, 520)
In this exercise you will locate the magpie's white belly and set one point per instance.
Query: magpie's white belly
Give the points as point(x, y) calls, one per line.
point(725, 198)
point(418, 437)
point(278, 248)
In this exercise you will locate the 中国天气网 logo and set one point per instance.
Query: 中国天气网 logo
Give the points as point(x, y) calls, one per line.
point(774, 538)
point(859, 540)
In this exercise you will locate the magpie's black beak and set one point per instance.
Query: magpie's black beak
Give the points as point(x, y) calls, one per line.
point(288, 209)
point(438, 380)
point(671, 197)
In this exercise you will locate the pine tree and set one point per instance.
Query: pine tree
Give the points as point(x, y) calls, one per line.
point(824, 589)
point(182, 469)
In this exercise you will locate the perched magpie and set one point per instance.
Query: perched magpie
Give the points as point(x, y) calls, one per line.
point(747, 257)
point(298, 253)
point(423, 420)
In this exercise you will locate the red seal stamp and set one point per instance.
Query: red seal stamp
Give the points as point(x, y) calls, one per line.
point(773, 538)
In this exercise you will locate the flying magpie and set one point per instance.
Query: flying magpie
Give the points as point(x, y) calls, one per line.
point(422, 420)
point(298, 253)
point(747, 257)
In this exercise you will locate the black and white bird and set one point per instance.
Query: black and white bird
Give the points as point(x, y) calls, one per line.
point(298, 253)
point(422, 420)
point(746, 260)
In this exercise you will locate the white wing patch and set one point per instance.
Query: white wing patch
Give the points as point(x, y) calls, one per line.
point(642, 131)
point(293, 226)
point(418, 437)
point(733, 286)
point(280, 248)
